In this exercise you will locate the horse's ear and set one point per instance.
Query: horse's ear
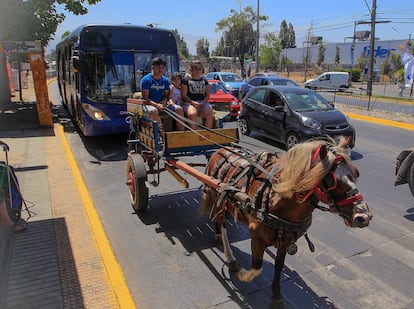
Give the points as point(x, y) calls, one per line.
point(321, 152)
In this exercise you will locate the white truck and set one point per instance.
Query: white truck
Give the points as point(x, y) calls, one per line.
point(330, 80)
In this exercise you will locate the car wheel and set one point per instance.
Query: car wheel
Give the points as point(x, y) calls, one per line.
point(292, 139)
point(411, 178)
point(244, 126)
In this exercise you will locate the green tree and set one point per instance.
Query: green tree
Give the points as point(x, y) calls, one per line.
point(321, 53)
point(181, 45)
point(36, 19)
point(202, 48)
point(287, 35)
point(239, 35)
point(270, 55)
point(29, 20)
point(337, 55)
point(291, 36)
point(284, 34)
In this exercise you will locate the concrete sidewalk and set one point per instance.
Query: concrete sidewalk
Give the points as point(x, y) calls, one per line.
point(55, 263)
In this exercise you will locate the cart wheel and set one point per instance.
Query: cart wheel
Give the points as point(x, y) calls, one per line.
point(411, 178)
point(136, 177)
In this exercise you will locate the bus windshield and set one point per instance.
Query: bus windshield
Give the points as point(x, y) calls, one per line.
point(112, 76)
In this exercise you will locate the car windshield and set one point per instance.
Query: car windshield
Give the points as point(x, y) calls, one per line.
point(307, 101)
point(231, 78)
point(217, 86)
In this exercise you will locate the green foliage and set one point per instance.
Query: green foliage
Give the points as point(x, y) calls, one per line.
point(30, 20)
point(321, 53)
point(287, 35)
point(182, 45)
point(399, 75)
point(337, 55)
point(202, 46)
point(270, 55)
point(239, 36)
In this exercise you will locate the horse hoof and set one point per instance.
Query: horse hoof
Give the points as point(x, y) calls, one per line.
point(232, 267)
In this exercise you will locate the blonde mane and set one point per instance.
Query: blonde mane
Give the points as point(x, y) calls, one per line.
point(298, 173)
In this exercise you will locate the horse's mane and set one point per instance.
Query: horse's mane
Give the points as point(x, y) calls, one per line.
point(297, 171)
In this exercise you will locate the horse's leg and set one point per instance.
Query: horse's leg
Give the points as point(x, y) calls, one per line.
point(279, 263)
point(258, 248)
point(228, 253)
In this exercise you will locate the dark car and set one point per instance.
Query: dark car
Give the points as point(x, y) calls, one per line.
point(404, 169)
point(291, 115)
point(263, 81)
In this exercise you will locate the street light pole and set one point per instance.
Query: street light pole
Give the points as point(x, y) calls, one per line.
point(372, 46)
point(257, 38)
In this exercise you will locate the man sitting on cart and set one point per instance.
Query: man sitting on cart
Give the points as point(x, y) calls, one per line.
point(155, 88)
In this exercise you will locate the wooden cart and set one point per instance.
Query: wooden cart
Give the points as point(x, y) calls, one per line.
point(149, 154)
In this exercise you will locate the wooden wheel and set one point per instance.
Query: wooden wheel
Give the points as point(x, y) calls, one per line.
point(136, 181)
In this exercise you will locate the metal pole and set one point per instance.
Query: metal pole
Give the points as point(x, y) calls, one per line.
point(372, 46)
point(353, 51)
point(257, 38)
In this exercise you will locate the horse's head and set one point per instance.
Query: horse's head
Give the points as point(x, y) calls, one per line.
point(338, 186)
point(323, 171)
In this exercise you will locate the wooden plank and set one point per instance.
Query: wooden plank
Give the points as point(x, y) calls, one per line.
point(181, 139)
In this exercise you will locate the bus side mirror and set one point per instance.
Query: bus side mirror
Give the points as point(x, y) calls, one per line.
point(75, 62)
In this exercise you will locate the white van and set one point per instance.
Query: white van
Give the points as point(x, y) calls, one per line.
point(330, 80)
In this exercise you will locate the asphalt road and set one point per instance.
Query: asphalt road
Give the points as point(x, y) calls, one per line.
point(170, 260)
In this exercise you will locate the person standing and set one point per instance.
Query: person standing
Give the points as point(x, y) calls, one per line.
point(195, 93)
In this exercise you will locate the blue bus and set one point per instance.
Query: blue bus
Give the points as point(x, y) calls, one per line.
point(100, 66)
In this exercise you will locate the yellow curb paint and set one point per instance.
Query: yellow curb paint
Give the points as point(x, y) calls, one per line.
point(386, 122)
point(113, 270)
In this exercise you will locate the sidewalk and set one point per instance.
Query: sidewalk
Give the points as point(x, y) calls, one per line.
point(55, 263)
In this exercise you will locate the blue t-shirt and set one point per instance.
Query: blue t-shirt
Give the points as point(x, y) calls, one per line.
point(156, 87)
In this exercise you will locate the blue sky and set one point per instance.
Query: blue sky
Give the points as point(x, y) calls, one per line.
point(333, 20)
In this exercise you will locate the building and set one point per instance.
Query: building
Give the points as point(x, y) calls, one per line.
point(361, 49)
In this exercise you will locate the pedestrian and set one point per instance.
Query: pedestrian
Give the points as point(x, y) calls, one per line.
point(155, 88)
point(195, 93)
point(249, 71)
point(175, 102)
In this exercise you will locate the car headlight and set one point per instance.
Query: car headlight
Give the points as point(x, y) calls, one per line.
point(234, 103)
point(228, 87)
point(311, 123)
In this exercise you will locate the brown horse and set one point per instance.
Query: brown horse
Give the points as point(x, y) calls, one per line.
point(275, 197)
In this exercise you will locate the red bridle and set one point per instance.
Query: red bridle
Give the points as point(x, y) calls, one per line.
point(322, 192)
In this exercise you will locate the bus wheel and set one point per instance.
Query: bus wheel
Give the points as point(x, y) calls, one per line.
point(136, 181)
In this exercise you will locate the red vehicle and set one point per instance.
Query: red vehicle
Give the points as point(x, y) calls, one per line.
point(222, 100)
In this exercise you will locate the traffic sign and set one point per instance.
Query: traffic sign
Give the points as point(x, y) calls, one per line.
point(21, 46)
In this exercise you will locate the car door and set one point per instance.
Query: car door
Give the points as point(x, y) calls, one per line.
point(274, 116)
point(254, 106)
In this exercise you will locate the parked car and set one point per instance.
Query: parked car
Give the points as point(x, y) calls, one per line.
point(290, 115)
point(264, 80)
point(404, 169)
point(264, 74)
point(330, 80)
point(221, 99)
point(231, 81)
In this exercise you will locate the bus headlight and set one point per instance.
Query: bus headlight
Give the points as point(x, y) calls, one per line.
point(94, 113)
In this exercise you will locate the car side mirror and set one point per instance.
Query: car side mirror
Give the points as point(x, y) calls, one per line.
point(332, 103)
point(279, 108)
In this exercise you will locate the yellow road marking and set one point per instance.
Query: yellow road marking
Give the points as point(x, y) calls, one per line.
point(386, 122)
point(113, 270)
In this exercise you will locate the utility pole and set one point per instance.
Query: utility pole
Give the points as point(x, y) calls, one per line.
point(257, 38)
point(372, 47)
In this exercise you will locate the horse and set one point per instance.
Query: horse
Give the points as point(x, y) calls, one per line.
point(274, 195)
